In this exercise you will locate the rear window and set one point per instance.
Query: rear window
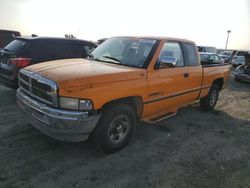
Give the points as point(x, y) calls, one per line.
point(211, 49)
point(17, 46)
point(6, 37)
point(44, 50)
point(190, 53)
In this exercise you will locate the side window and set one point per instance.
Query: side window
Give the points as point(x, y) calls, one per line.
point(216, 58)
point(211, 58)
point(191, 56)
point(172, 50)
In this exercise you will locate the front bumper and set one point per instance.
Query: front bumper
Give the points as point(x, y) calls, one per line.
point(64, 125)
point(242, 77)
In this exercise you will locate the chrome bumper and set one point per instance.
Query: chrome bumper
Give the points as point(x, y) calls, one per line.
point(65, 125)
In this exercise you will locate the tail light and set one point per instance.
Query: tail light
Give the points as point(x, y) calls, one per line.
point(20, 62)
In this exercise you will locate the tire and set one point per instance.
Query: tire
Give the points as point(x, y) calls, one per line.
point(115, 128)
point(209, 102)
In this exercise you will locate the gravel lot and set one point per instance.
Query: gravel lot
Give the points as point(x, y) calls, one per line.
point(192, 149)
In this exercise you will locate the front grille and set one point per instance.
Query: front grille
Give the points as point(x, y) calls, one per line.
point(24, 77)
point(41, 94)
point(24, 86)
point(38, 87)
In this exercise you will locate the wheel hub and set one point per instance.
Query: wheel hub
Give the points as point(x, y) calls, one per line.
point(119, 129)
point(213, 98)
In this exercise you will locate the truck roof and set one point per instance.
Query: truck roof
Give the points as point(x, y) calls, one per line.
point(9, 31)
point(159, 38)
point(55, 39)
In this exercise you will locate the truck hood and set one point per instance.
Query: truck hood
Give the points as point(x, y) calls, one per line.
point(70, 73)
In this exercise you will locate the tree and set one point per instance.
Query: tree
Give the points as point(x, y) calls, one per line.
point(70, 36)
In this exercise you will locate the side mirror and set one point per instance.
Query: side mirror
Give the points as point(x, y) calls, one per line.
point(167, 61)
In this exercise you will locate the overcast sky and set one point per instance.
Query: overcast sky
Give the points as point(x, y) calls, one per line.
point(204, 21)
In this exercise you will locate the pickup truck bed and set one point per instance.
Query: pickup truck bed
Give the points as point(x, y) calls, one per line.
point(214, 72)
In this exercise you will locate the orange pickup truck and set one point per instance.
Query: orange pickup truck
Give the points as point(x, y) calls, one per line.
point(126, 79)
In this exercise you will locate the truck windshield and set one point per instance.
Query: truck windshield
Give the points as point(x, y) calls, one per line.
point(125, 51)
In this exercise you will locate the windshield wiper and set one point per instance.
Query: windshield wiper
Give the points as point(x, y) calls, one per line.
point(96, 59)
point(108, 57)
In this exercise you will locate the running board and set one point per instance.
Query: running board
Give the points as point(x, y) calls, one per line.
point(160, 118)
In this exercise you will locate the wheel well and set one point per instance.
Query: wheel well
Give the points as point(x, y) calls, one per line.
point(136, 102)
point(218, 82)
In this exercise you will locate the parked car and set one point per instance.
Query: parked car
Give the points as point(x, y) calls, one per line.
point(126, 79)
point(208, 49)
point(210, 58)
point(227, 56)
point(23, 52)
point(238, 60)
point(6, 36)
point(242, 73)
point(241, 53)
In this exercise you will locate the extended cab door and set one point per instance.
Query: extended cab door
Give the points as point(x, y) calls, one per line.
point(170, 87)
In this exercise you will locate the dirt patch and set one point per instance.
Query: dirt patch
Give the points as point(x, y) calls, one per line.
point(192, 149)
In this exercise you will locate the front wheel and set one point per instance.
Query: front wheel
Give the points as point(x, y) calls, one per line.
point(115, 128)
point(209, 102)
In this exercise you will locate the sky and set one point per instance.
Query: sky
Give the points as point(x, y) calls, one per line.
point(204, 21)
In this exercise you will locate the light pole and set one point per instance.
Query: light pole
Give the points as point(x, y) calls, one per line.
point(228, 32)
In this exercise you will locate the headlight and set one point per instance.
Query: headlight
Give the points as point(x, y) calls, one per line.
point(75, 104)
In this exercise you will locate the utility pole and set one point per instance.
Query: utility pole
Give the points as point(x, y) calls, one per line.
point(228, 32)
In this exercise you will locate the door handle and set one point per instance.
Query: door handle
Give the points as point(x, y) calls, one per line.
point(186, 75)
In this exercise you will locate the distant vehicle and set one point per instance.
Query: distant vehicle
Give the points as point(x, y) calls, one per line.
point(226, 55)
point(242, 73)
point(208, 49)
point(238, 60)
point(6, 36)
point(241, 53)
point(23, 52)
point(210, 58)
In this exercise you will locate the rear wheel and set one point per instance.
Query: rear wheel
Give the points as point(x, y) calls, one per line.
point(209, 102)
point(115, 128)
